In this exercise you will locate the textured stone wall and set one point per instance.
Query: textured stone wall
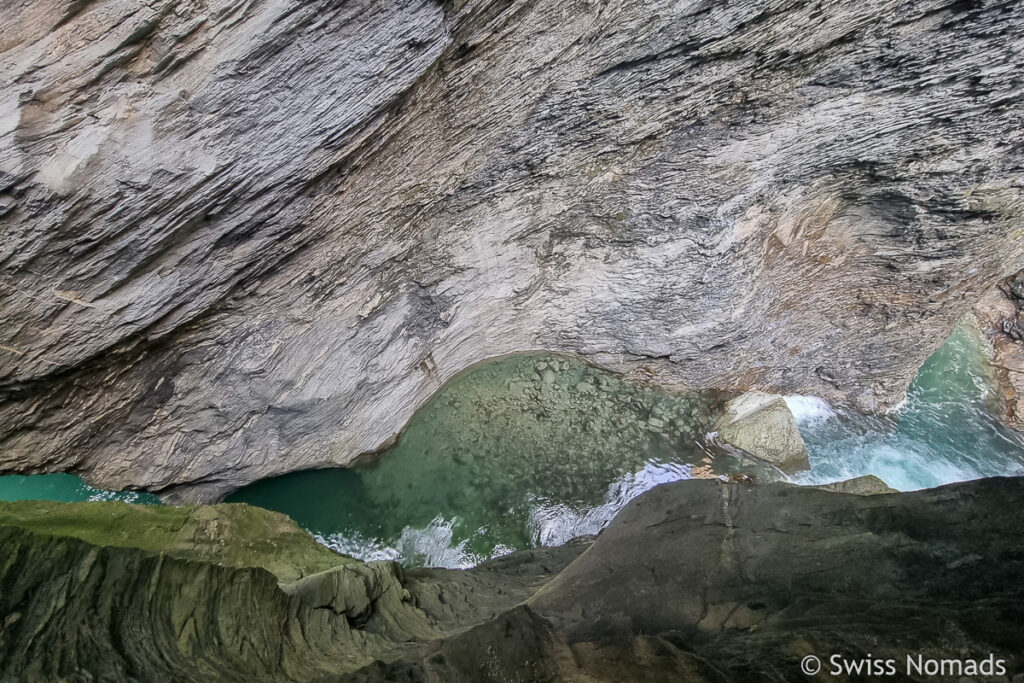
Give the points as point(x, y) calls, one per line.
point(1000, 314)
point(697, 581)
point(242, 238)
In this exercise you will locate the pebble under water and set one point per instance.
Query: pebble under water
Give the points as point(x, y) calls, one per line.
point(536, 449)
point(522, 451)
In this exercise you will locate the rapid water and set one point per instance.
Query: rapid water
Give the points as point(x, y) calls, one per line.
point(534, 451)
point(946, 430)
point(537, 449)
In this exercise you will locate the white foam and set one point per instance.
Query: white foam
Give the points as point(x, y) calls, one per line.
point(809, 410)
point(557, 524)
point(359, 547)
point(431, 546)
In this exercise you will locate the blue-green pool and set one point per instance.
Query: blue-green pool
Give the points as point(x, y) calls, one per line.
point(946, 431)
point(535, 449)
point(526, 450)
point(63, 487)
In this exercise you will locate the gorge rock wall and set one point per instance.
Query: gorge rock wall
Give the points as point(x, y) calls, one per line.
point(1000, 315)
point(697, 580)
point(243, 238)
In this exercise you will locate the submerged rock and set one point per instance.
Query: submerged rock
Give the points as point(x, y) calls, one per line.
point(762, 425)
point(242, 239)
point(696, 581)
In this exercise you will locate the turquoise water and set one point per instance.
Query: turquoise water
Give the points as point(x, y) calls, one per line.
point(63, 487)
point(524, 452)
point(537, 449)
point(946, 431)
point(518, 452)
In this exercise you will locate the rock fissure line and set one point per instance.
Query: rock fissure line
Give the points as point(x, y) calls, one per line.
point(797, 198)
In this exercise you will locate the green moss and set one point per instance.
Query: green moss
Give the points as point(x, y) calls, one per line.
point(230, 535)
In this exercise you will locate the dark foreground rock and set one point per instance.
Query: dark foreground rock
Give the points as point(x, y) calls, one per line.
point(694, 581)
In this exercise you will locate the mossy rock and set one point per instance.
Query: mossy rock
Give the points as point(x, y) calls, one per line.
point(230, 535)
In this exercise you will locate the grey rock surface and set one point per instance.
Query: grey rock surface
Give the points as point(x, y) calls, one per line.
point(1000, 315)
point(243, 238)
point(762, 425)
point(868, 485)
point(694, 581)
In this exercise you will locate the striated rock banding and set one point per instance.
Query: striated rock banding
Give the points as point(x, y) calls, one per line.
point(243, 239)
point(696, 581)
point(1000, 314)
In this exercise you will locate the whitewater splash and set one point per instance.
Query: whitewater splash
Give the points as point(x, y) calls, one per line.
point(429, 546)
point(944, 432)
point(555, 524)
point(549, 524)
point(552, 461)
point(809, 410)
point(925, 443)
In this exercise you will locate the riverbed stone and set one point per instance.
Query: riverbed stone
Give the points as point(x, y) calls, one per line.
point(243, 239)
point(762, 425)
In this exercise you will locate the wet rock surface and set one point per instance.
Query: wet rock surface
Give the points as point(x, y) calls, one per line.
point(1000, 314)
point(241, 239)
point(698, 580)
point(763, 426)
point(867, 485)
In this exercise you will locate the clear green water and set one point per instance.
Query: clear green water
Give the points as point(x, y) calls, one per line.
point(536, 449)
point(63, 487)
point(526, 450)
point(946, 431)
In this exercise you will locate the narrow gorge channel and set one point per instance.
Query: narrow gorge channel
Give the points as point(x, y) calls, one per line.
point(478, 341)
point(536, 449)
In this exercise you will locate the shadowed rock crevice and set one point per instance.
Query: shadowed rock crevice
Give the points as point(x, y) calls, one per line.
point(242, 240)
point(697, 580)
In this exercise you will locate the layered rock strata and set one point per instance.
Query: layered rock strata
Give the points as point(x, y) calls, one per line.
point(244, 238)
point(1000, 314)
point(698, 581)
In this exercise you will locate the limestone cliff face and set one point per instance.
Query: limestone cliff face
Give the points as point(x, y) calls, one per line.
point(1000, 314)
point(693, 581)
point(241, 238)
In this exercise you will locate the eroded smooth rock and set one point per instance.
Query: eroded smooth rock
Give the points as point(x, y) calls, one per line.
point(762, 425)
point(246, 239)
point(698, 581)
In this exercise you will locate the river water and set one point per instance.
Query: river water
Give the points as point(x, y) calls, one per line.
point(536, 449)
point(526, 450)
point(946, 431)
